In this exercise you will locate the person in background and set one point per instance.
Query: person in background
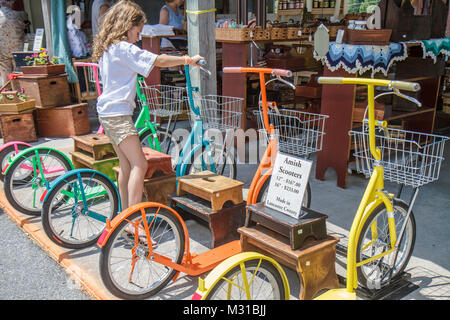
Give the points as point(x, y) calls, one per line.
point(172, 15)
point(120, 61)
point(99, 8)
point(12, 36)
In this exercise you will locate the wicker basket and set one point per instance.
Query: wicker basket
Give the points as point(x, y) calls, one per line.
point(258, 33)
point(242, 34)
point(278, 33)
point(294, 33)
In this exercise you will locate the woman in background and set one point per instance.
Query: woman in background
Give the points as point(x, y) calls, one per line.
point(172, 15)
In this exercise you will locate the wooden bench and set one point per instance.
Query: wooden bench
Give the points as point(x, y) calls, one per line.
point(314, 262)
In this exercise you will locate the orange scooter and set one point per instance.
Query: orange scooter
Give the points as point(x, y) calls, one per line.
point(147, 245)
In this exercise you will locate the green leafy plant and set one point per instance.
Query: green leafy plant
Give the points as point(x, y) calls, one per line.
point(20, 94)
point(41, 58)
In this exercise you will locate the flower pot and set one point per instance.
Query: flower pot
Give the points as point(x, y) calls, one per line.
point(44, 70)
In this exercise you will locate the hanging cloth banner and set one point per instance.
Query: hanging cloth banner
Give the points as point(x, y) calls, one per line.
point(60, 41)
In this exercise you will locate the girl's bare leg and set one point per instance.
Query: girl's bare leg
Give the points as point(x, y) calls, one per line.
point(124, 176)
point(131, 148)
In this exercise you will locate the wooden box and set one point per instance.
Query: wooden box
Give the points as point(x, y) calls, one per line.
point(158, 189)
point(311, 224)
point(158, 162)
point(18, 127)
point(97, 145)
point(48, 91)
point(216, 189)
point(368, 37)
point(83, 160)
point(44, 70)
point(14, 105)
point(314, 262)
point(64, 121)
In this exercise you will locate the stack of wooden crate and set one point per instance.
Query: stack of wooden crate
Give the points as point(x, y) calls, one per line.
point(56, 116)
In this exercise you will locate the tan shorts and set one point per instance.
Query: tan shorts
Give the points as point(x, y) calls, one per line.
point(118, 128)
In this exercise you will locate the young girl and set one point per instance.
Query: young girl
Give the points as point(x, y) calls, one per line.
point(120, 61)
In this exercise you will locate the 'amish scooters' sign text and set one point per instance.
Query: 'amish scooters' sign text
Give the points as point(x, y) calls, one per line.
point(287, 185)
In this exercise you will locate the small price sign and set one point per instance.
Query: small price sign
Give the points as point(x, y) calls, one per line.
point(288, 184)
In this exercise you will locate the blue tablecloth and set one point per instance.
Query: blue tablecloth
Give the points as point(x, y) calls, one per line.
point(363, 58)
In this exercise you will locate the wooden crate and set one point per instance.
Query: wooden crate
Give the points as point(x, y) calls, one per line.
point(44, 70)
point(64, 121)
point(18, 127)
point(14, 105)
point(314, 262)
point(48, 91)
point(293, 33)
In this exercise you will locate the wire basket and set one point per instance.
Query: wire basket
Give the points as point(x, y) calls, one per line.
point(163, 100)
point(299, 133)
point(219, 112)
point(409, 158)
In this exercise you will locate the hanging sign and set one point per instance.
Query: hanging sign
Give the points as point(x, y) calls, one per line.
point(37, 44)
point(287, 185)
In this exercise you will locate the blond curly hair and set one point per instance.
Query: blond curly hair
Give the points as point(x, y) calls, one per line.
point(116, 23)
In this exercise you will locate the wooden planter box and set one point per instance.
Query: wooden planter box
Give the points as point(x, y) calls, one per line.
point(48, 91)
point(44, 70)
point(379, 37)
point(15, 105)
point(63, 122)
point(18, 127)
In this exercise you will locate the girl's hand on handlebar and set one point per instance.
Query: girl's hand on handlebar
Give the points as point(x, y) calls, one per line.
point(196, 59)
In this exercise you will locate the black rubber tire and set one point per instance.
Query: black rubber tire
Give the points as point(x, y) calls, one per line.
point(105, 254)
point(362, 279)
point(8, 179)
point(233, 165)
point(5, 152)
point(265, 265)
point(56, 238)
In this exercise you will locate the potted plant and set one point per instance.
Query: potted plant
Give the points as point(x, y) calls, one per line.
point(40, 63)
point(14, 102)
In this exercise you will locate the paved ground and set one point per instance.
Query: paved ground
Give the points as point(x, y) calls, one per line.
point(429, 267)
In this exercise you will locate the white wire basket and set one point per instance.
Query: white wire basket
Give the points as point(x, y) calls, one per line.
point(409, 158)
point(163, 100)
point(299, 133)
point(219, 112)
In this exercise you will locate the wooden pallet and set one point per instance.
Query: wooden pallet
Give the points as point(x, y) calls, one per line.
point(209, 186)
